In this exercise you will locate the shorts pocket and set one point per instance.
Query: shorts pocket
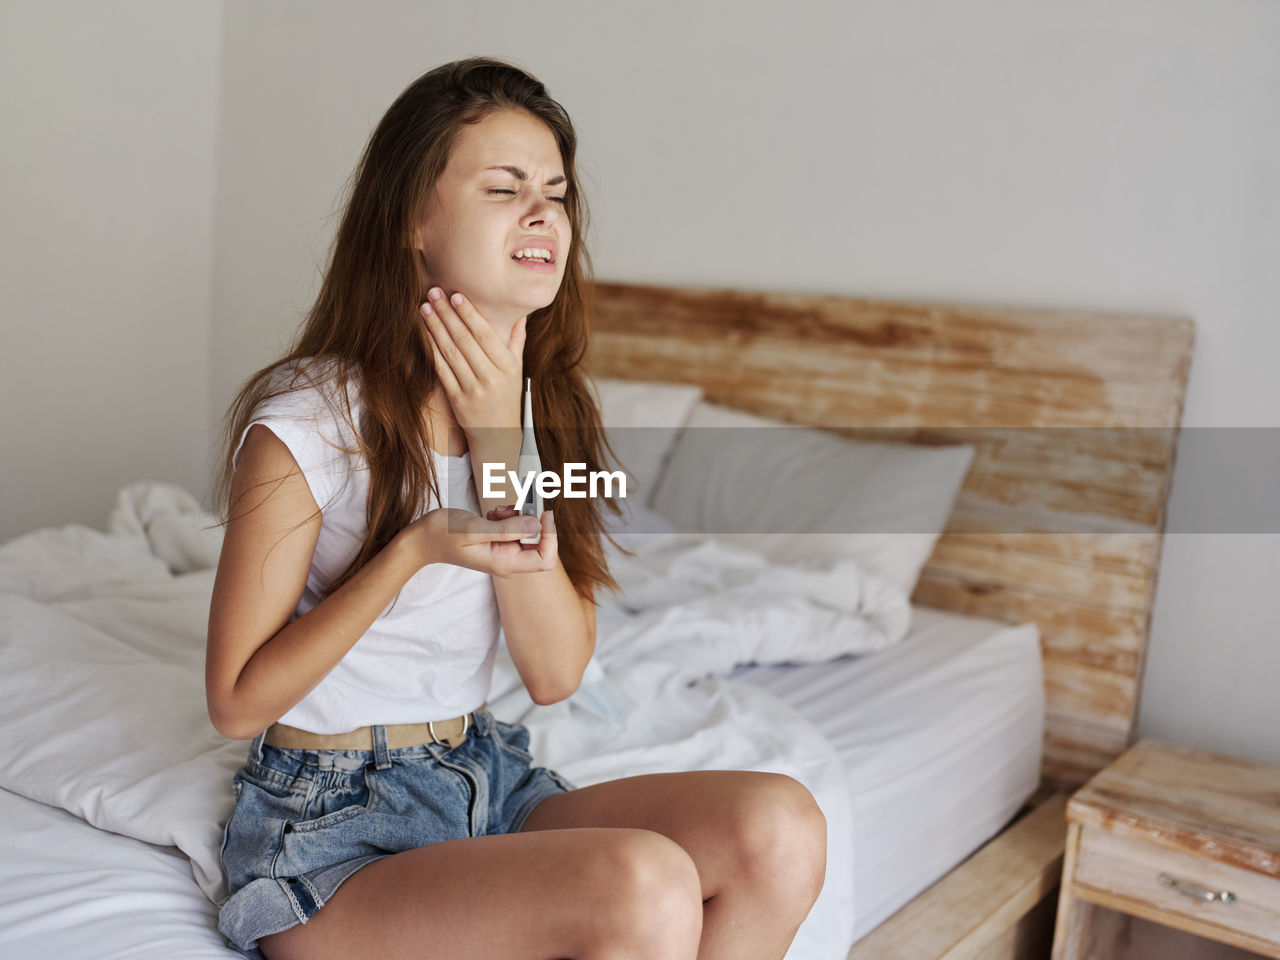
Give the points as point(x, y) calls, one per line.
point(335, 796)
point(514, 738)
point(276, 783)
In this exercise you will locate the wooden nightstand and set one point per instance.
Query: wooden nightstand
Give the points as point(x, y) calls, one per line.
point(1180, 837)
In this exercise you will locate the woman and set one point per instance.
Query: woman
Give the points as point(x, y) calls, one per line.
point(382, 810)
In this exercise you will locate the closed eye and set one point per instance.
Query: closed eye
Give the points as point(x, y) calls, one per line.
point(512, 192)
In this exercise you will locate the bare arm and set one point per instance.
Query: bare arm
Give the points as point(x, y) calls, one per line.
point(258, 665)
point(550, 627)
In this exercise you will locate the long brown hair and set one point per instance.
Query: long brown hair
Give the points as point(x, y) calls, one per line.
point(366, 318)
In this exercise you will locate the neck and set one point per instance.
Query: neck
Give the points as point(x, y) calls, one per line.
point(503, 320)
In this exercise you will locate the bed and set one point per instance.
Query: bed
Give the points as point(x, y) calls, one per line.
point(939, 727)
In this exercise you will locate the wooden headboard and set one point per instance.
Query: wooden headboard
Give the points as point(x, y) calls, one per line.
point(1074, 418)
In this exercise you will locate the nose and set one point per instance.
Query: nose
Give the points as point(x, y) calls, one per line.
point(543, 211)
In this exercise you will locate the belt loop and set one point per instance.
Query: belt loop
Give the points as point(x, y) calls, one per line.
point(381, 758)
point(255, 748)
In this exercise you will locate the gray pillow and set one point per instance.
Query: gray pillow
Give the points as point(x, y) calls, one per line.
point(806, 496)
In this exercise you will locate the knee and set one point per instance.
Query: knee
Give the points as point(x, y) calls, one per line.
point(650, 895)
point(782, 838)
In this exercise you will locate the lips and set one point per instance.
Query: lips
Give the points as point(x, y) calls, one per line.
point(538, 243)
point(535, 265)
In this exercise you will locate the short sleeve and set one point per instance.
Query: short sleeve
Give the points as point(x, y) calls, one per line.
point(317, 436)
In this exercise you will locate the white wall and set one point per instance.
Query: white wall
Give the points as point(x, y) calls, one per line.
point(106, 252)
point(1102, 154)
point(1116, 156)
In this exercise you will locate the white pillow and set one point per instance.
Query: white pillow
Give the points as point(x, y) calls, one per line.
point(642, 419)
point(804, 495)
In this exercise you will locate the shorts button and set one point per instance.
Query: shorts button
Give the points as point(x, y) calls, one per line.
point(288, 828)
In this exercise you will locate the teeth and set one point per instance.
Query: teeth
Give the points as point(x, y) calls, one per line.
point(533, 253)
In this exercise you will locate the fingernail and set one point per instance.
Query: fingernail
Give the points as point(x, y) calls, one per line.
point(426, 308)
point(435, 293)
point(456, 299)
point(551, 521)
point(531, 525)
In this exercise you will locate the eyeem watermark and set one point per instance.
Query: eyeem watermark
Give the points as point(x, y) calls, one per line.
point(550, 485)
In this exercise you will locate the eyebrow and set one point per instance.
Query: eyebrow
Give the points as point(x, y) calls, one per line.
point(521, 175)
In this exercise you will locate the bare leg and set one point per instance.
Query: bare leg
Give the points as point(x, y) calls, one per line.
point(758, 840)
point(585, 894)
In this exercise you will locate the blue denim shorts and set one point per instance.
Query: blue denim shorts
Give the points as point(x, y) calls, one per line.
point(306, 820)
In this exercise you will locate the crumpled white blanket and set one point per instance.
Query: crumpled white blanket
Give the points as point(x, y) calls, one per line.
point(102, 686)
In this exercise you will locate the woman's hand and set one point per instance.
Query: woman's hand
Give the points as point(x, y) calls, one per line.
point(490, 545)
point(482, 376)
point(548, 546)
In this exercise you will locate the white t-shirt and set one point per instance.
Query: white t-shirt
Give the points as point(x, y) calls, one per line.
point(430, 654)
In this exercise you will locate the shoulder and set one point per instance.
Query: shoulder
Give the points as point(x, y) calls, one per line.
point(312, 387)
point(267, 463)
point(312, 412)
point(318, 399)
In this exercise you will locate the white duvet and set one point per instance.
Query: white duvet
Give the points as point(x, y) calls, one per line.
point(102, 680)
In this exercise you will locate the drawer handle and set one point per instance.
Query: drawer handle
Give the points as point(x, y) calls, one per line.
point(1197, 893)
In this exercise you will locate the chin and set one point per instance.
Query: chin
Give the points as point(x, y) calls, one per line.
point(533, 303)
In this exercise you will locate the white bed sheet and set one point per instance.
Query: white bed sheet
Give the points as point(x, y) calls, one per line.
point(941, 737)
point(69, 890)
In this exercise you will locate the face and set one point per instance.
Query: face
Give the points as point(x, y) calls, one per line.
point(479, 217)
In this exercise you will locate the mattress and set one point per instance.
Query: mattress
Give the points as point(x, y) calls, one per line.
point(941, 737)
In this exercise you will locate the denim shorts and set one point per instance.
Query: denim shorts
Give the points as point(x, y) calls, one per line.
point(305, 820)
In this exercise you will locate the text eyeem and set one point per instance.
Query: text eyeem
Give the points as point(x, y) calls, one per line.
point(550, 484)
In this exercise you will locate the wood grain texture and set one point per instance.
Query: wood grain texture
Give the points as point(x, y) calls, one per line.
point(1111, 865)
point(1073, 416)
point(1182, 838)
point(1217, 807)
